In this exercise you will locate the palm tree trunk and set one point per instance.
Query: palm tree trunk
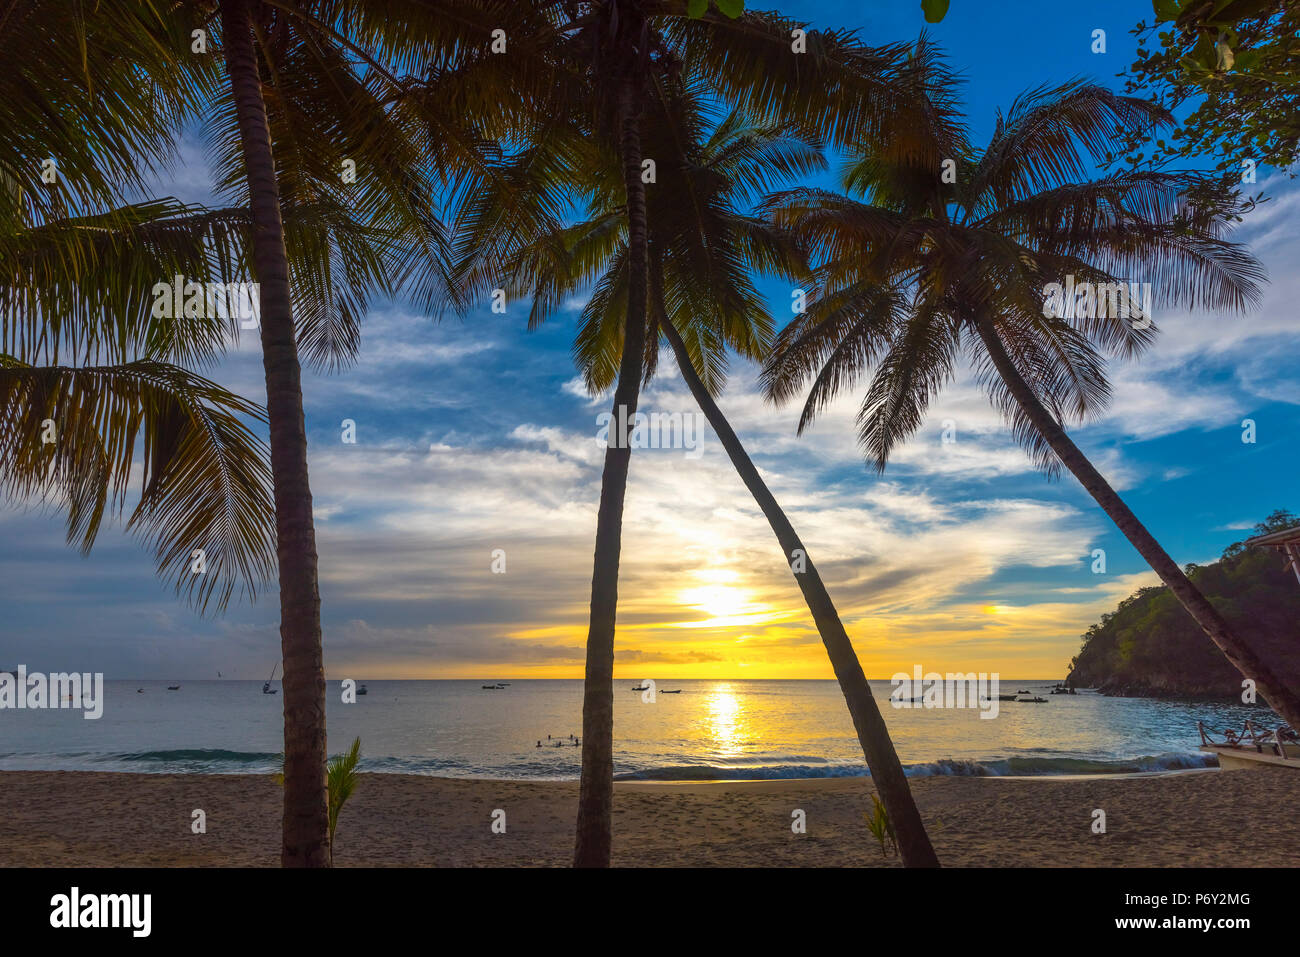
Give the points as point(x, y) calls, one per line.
point(596, 790)
point(886, 772)
point(305, 838)
point(1271, 687)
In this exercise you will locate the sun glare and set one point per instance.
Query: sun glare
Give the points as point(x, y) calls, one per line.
point(718, 601)
point(726, 721)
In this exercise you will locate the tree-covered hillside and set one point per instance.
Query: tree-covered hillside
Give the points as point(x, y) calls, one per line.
point(1149, 646)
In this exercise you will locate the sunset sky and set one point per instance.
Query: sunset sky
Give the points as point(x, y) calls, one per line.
point(476, 435)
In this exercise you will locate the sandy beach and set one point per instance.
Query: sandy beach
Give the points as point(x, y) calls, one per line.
point(1208, 818)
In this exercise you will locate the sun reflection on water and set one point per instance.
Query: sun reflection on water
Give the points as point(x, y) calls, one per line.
point(727, 727)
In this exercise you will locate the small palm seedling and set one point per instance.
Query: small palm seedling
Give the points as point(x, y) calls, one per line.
point(341, 773)
point(882, 829)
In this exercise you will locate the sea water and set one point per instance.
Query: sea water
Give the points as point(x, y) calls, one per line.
point(713, 730)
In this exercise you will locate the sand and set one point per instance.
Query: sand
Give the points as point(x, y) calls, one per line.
point(1208, 818)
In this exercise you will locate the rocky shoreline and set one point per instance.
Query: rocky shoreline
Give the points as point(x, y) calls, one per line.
point(1121, 689)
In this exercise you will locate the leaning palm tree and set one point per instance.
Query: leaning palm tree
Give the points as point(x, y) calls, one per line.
point(703, 252)
point(825, 83)
point(934, 261)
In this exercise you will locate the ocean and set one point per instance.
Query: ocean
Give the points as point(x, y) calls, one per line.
point(712, 730)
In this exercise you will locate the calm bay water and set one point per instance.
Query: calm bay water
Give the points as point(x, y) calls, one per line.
point(712, 730)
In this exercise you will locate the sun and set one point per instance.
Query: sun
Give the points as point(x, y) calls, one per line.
point(720, 600)
point(717, 601)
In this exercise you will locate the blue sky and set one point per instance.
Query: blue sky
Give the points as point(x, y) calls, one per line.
point(475, 435)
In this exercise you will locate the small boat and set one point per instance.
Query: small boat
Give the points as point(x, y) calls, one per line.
point(1253, 747)
point(266, 685)
point(1034, 700)
point(491, 688)
point(1023, 691)
point(642, 688)
point(361, 689)
point(1001, 697)
point(674, 691)
point(139, 691)
point(173, 687)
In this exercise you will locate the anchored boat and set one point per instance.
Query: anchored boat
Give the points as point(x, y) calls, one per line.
point(1252, 747)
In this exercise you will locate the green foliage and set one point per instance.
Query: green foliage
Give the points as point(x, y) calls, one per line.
point(703, 252)
point(1277, 521)
point(696, 9)
point(881, 827)
point(953, 237)
point(78, 348)
point(342, 771)
point(1236, 65)
point(934, 10)
point(203, 472)
point(78, 343)
point(343, 779)
point(104, 99)
point(1150, 641)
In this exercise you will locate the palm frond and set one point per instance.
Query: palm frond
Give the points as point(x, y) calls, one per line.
point(204, 501)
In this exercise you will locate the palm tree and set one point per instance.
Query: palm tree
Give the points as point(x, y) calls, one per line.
point(702, 253)
point(86, 378)
point(303, 99)
point(412, 94)
point(343, 778)
point(928, 265)
point(319, 249)
point(84, 382)
point(305, 833)
point(627, 51)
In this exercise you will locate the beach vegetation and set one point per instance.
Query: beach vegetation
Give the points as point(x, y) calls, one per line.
point(921, 275)
point(702, 303)
point(881, 827)
point(1230, 70)
point(1149, 646)
point(341, 773)
point(641, 59)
